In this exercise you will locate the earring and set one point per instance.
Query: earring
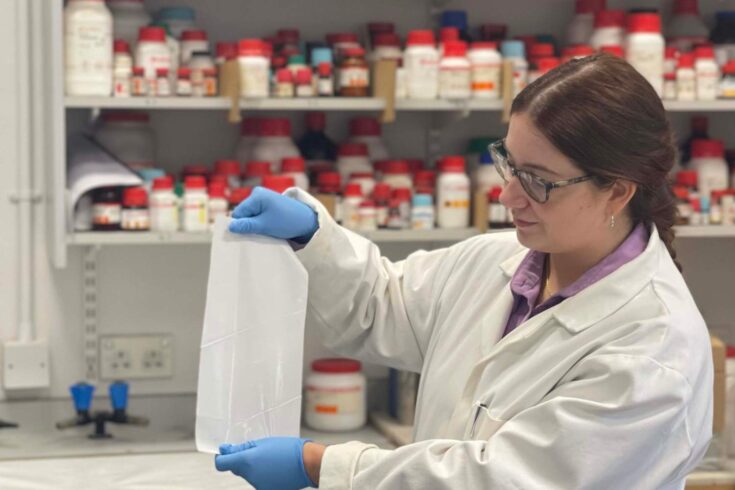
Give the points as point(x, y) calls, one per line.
point(612, 221)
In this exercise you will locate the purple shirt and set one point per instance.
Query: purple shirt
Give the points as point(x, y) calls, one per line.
point(526, 282)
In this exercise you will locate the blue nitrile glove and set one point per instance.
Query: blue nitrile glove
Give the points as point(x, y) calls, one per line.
point(273, 463)
point(269, 213)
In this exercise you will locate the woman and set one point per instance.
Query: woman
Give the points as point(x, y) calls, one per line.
point(566, 354)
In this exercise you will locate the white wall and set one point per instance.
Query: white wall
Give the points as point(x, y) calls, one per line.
point(154, 289)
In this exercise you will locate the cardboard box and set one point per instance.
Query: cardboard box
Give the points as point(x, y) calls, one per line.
point(718, 359)
point(329, 201)
point(479, 211)
point(384, 87)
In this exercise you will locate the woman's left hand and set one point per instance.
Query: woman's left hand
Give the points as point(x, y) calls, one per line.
point(273, 463)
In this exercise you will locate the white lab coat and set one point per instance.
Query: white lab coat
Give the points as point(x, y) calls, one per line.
point(611, 389)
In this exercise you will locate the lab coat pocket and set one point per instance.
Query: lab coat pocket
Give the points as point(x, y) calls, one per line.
point(484, 425)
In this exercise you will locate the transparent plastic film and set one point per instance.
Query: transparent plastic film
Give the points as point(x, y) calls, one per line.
point(250, 368)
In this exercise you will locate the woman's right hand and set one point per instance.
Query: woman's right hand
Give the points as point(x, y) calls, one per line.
point(272, 214)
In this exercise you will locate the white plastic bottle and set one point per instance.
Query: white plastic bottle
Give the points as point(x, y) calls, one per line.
point(351, 201)
point(387, 46)
point(196, 204)
point(397, 174)
point(365, 129)
point(275, 143)
point(192, 40)
point(686, 78)
point(644, 47)
point(87, 48)
point(609, 29)
point(353, 158)
point(128, 16)
point(485, 62)
point(486, 176)
point(217, 201)
point(152, 52)
point(335, 395)
point(421, 62)
point(515, 52)
point(686, 28)
point(122, 69)
point(249, 129)
point(198, 63)
point(453, 194)
point(708, 159)
point(708, 73)
point(455, 76)
point(296, 167)
point(422, 212)
point(164, 205)
point(254, 69)
point(582, 25)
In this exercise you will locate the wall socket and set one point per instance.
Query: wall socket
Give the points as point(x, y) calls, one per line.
point(136, 356)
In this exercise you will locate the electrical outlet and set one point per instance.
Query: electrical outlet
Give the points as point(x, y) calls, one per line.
point(26, 365)
point(136, 356)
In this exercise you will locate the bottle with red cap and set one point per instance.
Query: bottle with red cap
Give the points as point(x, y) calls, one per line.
point(217, 197)
point(424, 182)
point(397, 173)
point(230, 168)
point(255, 171)
point(644, 47)
point(87, 48)
point(455, 76)
point(237, 196)
point(708, 72)
point(295, 167)
point(497, 216)
point(193, 40)
point(686, 28)
point(366, 181)
point(317, 148)
point(387, 46)
point(274, 142)
point(304, 83)
point(284, 84)
point(381, 197)
point(541, 67)
point(367, 130)
point(335, 395)
point(609, 29)
point(580, 29)
point(254, 69)
point(367, 215)
point(152, 53)
point(351, 158)
point(195, 204)
point(249, 130)
point(453, 193)
point(485, 67)
point(135, 215)
point(708, 159)
point(400, 201)
point(106, 209)
point(351, 200)
point(686, 78)
point(225, 51)
point(353, 79)
point(421, 62)
point(164, 205)
point(122, 69)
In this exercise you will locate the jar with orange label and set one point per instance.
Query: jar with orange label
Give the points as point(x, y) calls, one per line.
point(335, 395)
point(354, 74)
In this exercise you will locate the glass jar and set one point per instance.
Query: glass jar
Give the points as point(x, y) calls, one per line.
point(354, 75)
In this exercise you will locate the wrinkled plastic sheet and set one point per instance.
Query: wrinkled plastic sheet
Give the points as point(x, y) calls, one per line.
point(250, 367)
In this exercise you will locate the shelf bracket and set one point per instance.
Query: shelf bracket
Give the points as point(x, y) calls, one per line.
point(89, 312)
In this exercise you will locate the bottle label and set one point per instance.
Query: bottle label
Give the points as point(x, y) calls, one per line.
point(649, 63)
point(121, 86)
point(454, 82)
point(195, 215)
point(486, 78)
point(88, 48)
point(106, 214)
point(707, 82)
point(183, 87)
point(686, 87)
point(139, 86)
point(135, 219)
point(254, 81)
point(163, 89)
point(325, 86)
point(164, 215)
point(334, 401)
point(354, 77)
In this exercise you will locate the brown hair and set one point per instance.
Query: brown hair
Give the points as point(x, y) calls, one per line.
point(604, 116)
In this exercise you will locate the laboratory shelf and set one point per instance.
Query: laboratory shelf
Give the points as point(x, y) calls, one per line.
point(183, 238)
point(699, 106)
point(706, 231)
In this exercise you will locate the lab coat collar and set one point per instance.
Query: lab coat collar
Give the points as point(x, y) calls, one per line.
point(602, 298)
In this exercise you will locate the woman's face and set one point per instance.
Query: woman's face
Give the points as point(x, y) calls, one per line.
point(574, 217)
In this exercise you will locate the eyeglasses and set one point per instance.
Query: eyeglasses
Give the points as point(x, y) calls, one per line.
point(537, 188)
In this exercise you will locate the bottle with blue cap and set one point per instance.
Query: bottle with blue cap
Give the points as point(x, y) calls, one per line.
point(486, 176)
point(458, 19)
point(178, 19)
point(422, 212)
point(514, 51)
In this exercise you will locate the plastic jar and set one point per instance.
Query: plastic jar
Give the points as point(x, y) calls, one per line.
point(727, 84)
point(106, 209)
point(87, 48)
point(224, 51)
point(580, 29)
point(164, 205)
point(122, 69)
point(135, 215)
point(708, 159)
point(350, 209)
point(367, 130)
point(183, 82)
point(196, 204)
point(295, 167)
point(708, 73)
point(686, 78)
point(402, 197)
point(421, 62)
point(609, 28)
point(422, 212)
point(354, 74)
point(387, 46)
point(284, 83)
point(455, 76)
point(515, 52)
point(193, 40)
point(128, 136)
point(238, 195)
point(249, 129)
point(152, 52)
point(278, 183)
point(218, 205)
point(198, 63)
point(304, 83)
point(485, 66)
point(366, 181)
point(274, 142)
point(128, 16)
point(178, 19)
point(352, 158)
point(453, 194)
point(381, 196)
point(644, 47)
point(543, 66)
point(486, 175)
point(367, 216)
point(231, 169)
point(335, 398)
point(686, 28)
point(397, 173)
point(255, 171)
point(254, 69)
